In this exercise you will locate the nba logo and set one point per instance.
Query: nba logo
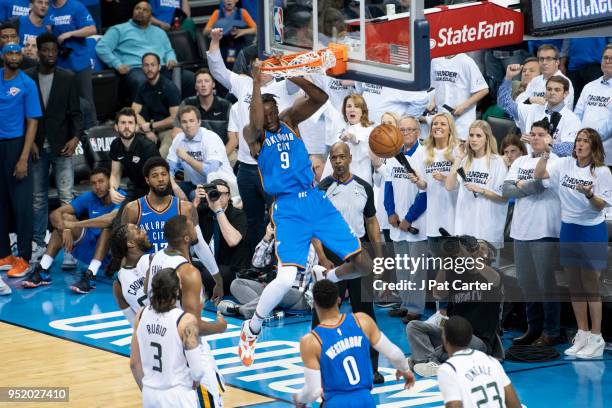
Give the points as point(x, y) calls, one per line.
point(279, 32)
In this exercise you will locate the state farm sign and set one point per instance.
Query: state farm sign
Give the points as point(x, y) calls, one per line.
point(484, 31)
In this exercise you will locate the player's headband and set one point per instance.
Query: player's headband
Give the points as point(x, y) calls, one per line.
point(11, 48)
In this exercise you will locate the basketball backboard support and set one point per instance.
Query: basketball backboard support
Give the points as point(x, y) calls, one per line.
point(289, 26)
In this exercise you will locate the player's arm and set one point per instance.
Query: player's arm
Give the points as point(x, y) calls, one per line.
point(188, 330)
point(305, 106)
point(130, 213)
point(310, 351)
point(103, 221)
point(512, 399)
point(254, 129)
point(135, 362)
point(383, 345)
point(454, 404)
point(122, 303)
point(57, 216)
point(115, 181)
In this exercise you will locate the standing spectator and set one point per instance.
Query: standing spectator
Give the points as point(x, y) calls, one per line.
point(408, 233)
point(129, 152)
point(9, 35)
point(594, 107)
point(156, 104)
point(381, 99)
point(35, 23)
point(564, 123)
point(59, 132)
point(19, 110)
point(548, 57)
point(535, 231)
point(214, 110)
point(481, 191)
point(459, 85)
point(164, 12)
point(584, 186)
point(72, 24)
point(10, 9)
point(200, 154)
point(95, 10)
point(583, 55)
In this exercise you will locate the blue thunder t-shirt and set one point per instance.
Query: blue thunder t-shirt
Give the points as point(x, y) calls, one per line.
point(89, 203)
point(10, 9)
point(345, 358)
point(18, 101)
point(72, 16)
point(153, 221)
point(284, 164)
point(163, 10)
point(27, 29)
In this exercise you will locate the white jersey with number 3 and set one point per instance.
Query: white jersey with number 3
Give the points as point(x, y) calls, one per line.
point(131, 281)
point(474, 378)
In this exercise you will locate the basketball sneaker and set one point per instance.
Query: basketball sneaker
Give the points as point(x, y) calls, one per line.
point(4, 288)
point(85, 284)
point(228, 308)
point(437, 319)
point(594, 348)
point(6, 263)
point(579, 342)
point(246, 345)
point(38, 276)
point(19, 269)
point(426, 370)
point(319, 273)
point(37, 252)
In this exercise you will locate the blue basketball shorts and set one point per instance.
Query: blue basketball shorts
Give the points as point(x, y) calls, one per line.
point(360, 398)
point(85, 247)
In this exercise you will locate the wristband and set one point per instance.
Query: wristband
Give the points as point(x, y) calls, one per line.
point(589, 197)
point(219, 211)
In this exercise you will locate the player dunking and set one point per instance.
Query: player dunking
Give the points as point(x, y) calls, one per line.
point(301, 212)
point(336, 354)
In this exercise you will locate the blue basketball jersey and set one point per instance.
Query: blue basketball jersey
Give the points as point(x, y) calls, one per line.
point(153, 221)
point(284, 164)
point(345, 358)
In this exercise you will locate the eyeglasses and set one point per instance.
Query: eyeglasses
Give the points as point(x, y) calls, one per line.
point(607, 59)
point(408, 130)
point(223, 192)
point(547, 59)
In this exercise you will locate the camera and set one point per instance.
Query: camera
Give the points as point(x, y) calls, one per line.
point(449, 246)
point(211, 191)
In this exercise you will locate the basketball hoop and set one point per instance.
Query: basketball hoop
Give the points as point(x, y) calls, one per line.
point(331, 61)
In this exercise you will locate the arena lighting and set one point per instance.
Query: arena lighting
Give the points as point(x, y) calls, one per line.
point(545, 17)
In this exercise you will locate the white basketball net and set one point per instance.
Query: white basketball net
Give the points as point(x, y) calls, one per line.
point(304, 64)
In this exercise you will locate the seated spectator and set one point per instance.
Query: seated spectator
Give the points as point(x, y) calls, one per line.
point(236, 24)
point(564, 123)
point(87, 240)
point(123, 46)
point(249, 284)
point(11, 9)
point(227, 226)
point(129, 152)
point(200, 154)
point(9, 35)
point(481, 308)
point(214, 111)
point(33, 24)
point(165, 11)
point(57, 137)
point(156, 104)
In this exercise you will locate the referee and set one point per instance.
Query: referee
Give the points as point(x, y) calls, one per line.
point(354, 198)
point(19, 110)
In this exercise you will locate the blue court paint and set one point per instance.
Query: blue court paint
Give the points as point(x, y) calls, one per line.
point(95, 320)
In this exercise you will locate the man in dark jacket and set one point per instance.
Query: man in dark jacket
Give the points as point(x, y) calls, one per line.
point(58, 133)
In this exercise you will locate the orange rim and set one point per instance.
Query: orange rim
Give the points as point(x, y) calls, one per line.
point(273, 64)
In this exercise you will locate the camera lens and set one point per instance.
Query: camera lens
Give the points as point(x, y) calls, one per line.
point(213, 195)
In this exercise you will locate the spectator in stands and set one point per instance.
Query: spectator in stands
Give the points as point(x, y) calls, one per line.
point(35, 23)
point(381, 99)
point(19, 110)
point(227, 226)
point(30, 49)
point(512, 147)
point(214, 111)
point(584, 186)
point(535, 231)
point(408, 233)
point(87, 239)
point(530, 70)
point(11, 9)
point(249, 284)
point(548, 57)
point(129, 152)
point(583, 55)
point(95, 10)
point(59, 132)
point(594, 107)
point(9, 35)
point(123, 46)
point(481, 190)
point(165, 11)
point(236, 23)
point(71, 23)
point(496, 61)
point(564, 123)
point(482, 308)
point(156, 104)
point(459, 85)
point(200, 154)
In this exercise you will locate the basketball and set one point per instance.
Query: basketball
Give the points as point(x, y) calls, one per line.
point(386, 141)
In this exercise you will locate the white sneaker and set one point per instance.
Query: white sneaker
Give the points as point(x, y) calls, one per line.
point(319, 273)
point(246, 345)
point(69, 261)
point(427, 369)
point(436, 319)
point(579, 342)
point(594, 347)
point(37, 253)
point(4, 288)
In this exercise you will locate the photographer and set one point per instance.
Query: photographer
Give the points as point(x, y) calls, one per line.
point(466, 298)
point(249, 283)
point(227, 226)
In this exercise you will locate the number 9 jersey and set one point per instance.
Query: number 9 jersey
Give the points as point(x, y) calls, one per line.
point(346, 369)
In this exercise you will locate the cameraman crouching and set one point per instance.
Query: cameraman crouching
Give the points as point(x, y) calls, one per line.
point(480, 307)
point(227, 226)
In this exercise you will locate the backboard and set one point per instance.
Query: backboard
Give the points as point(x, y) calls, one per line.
point(393, 55)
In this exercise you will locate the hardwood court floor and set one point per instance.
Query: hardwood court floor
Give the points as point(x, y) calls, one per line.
point(96, 378)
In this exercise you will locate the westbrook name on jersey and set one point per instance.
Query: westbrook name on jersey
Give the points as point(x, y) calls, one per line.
point(153, 221)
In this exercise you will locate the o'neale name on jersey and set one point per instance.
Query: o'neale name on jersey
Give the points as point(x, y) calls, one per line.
point(525, 174)
point(156, 329)
point(476, 371)
point(439, 166)
point(571, 182)
point(279, 138)
point(135, 286)
point(599, 101)
point(446, 76)
point(343, 345)
point(477, 177)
